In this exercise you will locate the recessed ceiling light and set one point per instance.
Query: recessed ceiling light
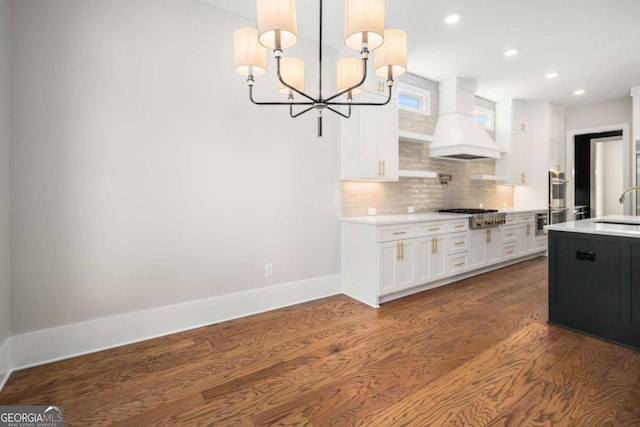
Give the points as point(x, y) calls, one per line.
point(580, 92)
point(452, 19)
point(552, 75)
point(511, 52)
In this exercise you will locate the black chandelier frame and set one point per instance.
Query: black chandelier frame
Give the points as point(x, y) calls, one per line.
point(320, 104)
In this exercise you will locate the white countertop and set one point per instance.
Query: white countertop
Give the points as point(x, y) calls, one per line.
point(401, 219)
point(594, 226)
point(420, 217)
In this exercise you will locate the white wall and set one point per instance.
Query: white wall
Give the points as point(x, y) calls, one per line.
point(5, 110)
point(5, 89)
point(142, 176)
point(605, 113)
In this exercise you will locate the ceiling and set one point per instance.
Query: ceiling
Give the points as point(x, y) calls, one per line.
point(592, 44)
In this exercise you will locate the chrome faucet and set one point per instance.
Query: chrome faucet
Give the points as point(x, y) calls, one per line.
point(621, 199)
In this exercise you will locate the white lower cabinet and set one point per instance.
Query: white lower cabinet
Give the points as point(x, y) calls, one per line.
point(380, 263)
point(410, 262)
point(486, 247)
point(397, 265)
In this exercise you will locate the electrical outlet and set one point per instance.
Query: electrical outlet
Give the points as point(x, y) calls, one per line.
point(481, 206)
point(411, 209)
point(268, 270)
point(372, 211)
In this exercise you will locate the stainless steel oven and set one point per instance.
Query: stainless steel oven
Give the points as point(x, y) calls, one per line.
point(542, 219)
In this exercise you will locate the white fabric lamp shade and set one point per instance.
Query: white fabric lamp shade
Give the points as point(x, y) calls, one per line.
point(250, 57)
point(349, 73)
point(364, 23)
point(292, 72)
point(391, 57)
point(277, 23)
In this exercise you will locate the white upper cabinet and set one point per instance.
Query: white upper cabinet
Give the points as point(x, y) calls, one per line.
point(369, 141)
point(513, 123)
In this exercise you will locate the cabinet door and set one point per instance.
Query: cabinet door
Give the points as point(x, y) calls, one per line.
point(478, 255)
point(406, 264)
point(521, 154)
point(388, 262)
point(377, 139)
point(521, 239)
point(521, 121)
point(494, 245)
point(439, 258)
point(424, 248)
point(530, 238)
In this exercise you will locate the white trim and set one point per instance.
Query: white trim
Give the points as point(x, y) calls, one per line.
point(635, 91)
point(627, 168)
point(5, 362)
point(50, 345)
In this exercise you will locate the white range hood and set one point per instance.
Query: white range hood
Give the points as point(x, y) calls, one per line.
point(458, 136)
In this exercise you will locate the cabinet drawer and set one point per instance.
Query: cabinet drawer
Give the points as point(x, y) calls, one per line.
point(458, 242)
point(429, 228)
point(525, 218)
point(510, 219)
point(459, 225)
point(457, 263)
point(509, 234)
point(509, 251)
point(395, 232)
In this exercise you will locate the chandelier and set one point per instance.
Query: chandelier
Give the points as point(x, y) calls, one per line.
point(278, 30)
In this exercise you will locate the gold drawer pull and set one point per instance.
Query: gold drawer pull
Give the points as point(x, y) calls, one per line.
point(510, 252)
point(460, 264)
point(399, 232)
point(460, 226)
point(434, 229)
point(511, 234)
point(459, 243)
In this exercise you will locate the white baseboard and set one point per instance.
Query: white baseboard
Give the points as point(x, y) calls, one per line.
point(5, 362)
point(49, 345)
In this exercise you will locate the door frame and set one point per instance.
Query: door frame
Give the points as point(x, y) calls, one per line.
point(628, 167)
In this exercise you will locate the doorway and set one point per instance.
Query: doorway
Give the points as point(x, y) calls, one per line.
point(594, 190)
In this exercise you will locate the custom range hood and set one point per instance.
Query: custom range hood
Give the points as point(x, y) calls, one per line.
point(458, 136)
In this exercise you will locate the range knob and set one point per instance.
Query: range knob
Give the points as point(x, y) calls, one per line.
point(479, 222)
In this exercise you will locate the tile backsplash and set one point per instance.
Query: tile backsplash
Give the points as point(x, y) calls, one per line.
point(427, 194)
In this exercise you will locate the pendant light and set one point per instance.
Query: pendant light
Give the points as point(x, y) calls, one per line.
point(278, 30)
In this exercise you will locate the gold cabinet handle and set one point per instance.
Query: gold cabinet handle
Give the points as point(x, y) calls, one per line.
point(460, 226)
point(523, 178)
point(528, 229)
point(402, 250)
point(380, 168)
point(384, 168)
point(434, 229)
point(433, 246)
point(459, 244)
point(399, 233)
point(488, 236)
point(511, 234)
point(460, 264)
point(510, 252)
point(398, 251)
point(436, 245)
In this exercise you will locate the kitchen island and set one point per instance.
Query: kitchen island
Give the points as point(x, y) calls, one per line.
point(594, 277)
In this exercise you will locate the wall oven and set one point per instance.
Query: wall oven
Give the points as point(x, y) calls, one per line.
point(542, 219)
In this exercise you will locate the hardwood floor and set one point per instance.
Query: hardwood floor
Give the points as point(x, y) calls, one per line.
point(475, 353)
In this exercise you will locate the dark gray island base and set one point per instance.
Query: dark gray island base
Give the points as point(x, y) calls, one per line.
point(594, 285)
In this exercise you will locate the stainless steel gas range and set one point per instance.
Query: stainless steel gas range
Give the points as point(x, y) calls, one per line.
point(480, 218)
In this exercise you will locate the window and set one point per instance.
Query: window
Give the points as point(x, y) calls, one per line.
point(485, 117)
point(414, 99)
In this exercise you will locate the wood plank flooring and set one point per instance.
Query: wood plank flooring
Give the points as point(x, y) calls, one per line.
point(475, 353)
